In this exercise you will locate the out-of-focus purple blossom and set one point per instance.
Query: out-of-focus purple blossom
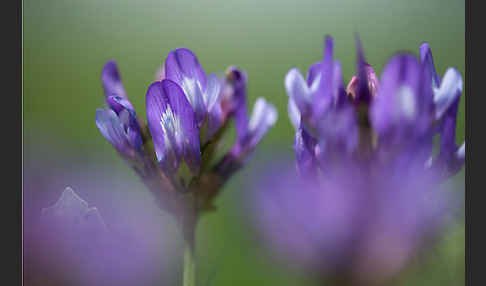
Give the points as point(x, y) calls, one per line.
point(188, 114)
point(104, 231)
point(369, 192)
point(74, 240)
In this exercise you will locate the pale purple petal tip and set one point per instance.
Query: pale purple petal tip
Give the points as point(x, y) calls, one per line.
point(234, 100)
point(111, 79)
point(263, 117)
point(324, 97)
point(427, 60)
point(298, 91)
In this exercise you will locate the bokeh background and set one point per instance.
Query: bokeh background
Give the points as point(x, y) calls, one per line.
point(66, 43)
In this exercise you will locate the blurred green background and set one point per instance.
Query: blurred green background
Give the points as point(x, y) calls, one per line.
point(66, 43)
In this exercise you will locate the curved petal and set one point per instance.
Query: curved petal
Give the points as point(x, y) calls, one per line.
point(235, 100)
point(212, 96)
point(339, 93)
point(112, 129)
point(324, 95)
point(183, 68)
point(263, 117)
point(313, 73)
point(450, 159)
point(294, 113)
point(396, 106)
point(117, 104)
point(172, 125)
point(304, 146)
point(215, 118)
point(450, 90)
point(132, 129)
point(363, 93)
point(427, 60)
point(298, 91)
point(111, 79)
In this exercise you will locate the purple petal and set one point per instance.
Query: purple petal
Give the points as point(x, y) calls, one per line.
point(215, 118)
point(340, 96)
point(234, 99)
point(322, 98)
point(304, 147)
point(172, 125)
point(118, 104)
point(313, 73)
point(132, 128)
point(212, 98)
point(338, 132)
point(404, 100)
point(128, 118)
point(112, 129)
point(365, 73)
point(263, 117)
point(298, 91)
point(294, 113)
point(427, 60)
point(112, 83)
point(183, 68)
point(449, 91)
point(451, 157)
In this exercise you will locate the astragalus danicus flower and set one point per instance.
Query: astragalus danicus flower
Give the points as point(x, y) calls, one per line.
point(188, 114)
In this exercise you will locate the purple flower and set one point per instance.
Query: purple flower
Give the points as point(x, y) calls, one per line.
point(118, 122)
point(188, 114)
point(368, 192)
point(103, 231)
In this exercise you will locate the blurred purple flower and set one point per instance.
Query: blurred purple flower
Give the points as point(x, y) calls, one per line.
point(122, 240)
point(369, 192)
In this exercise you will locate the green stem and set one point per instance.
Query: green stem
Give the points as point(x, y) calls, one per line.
point(189, 278)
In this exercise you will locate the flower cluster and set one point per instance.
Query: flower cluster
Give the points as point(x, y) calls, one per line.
point(188, 114)
point(369, 191)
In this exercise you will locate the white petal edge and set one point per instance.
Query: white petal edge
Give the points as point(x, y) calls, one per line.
point(297, 88)
point(447, 93)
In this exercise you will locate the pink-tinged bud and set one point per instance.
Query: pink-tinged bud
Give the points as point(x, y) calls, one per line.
point(371, 78)
point(160, 74)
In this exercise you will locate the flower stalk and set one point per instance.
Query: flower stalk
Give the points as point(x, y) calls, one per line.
point(189, 275)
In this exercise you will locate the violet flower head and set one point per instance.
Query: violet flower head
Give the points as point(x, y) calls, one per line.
point(188, 114)
point(369, 191)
